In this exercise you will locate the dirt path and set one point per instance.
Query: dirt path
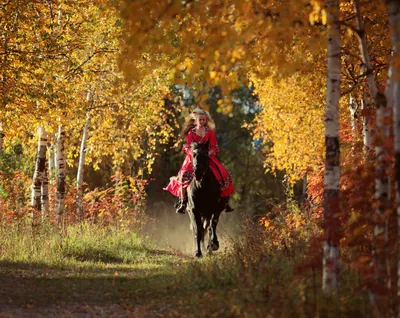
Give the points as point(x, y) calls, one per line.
point(149, 286)
point(29, 290)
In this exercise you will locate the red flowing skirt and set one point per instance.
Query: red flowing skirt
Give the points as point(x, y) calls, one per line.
point(186, 174)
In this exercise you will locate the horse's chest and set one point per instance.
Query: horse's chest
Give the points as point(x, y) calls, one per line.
point(204, 197)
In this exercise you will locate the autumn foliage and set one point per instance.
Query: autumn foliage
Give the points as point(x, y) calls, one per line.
point(123, 68)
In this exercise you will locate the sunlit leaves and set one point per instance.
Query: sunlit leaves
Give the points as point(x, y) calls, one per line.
point(223, 40)
point(54, 54)
point(291, 122)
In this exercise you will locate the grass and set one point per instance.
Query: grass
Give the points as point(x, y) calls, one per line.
point(88, 258)
point(99, 267)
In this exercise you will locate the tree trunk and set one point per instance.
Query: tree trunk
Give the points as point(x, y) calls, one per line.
point(52, 161)
point(382, 182)
point(393, 97)
point(389, 88)
point(367, 134)
point(79, 178)
point(332, 172)
point(382, 195)
point(45, 190)
point(362, 42)
point(353, 107)
point(38, 174)
point(61, 174)
point(376, 95)
point(304, 189)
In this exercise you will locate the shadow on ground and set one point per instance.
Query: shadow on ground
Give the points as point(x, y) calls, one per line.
point(39, 290)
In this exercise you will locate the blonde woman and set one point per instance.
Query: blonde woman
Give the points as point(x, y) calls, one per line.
point(199, 127)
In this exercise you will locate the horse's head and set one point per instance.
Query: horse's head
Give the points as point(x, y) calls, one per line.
point(200, 159)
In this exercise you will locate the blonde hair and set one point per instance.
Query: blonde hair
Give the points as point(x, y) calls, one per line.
point(190, 121)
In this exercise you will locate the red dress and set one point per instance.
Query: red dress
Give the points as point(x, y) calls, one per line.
point(186, 173)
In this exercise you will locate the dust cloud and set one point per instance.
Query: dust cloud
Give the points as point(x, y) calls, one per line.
point(169, 230)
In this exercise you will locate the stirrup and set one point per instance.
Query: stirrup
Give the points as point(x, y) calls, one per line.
point(182, 207)
point(228, 208)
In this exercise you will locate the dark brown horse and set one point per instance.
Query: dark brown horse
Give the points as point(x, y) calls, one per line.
point(204, 202)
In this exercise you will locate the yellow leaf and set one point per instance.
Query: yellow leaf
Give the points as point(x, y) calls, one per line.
point(324, 17)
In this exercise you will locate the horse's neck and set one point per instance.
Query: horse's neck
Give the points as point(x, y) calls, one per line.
point(207, 179)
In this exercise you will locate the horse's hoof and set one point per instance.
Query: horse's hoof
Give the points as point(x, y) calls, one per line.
point(198, 255)
point(215, 246)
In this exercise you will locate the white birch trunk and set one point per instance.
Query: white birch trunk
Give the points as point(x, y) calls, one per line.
point(39, 172)
point(367, 134)
point(393, 98)
point(79, 178)
point(61, 174)
point(382, 181)
point(1, 137)
point(45, 191)
point(362, 43)
point(353, 107)
point(52, 161)
point(332, 173)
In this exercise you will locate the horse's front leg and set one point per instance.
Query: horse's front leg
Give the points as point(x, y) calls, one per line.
point(214, 244)
point(207, 228)
point(197, 228)
point(210, 237)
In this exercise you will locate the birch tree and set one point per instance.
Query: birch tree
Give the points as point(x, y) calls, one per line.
point(382, 134)
point(362, 43)
point(61, 174)
point(366, 130)
point(332, 172)
point(353, 107)
point(81, 165)
point(52, 162)
point(39, 171)
point(45, 190)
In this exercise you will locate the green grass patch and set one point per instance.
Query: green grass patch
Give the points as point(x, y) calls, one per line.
point(82, 243)
point(87, 263)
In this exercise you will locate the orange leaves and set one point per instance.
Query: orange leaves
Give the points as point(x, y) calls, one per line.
point(13, 191)
point(119, 203)
point(286, 225)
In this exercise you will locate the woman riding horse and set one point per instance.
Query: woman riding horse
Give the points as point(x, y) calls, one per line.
point(199, 128)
